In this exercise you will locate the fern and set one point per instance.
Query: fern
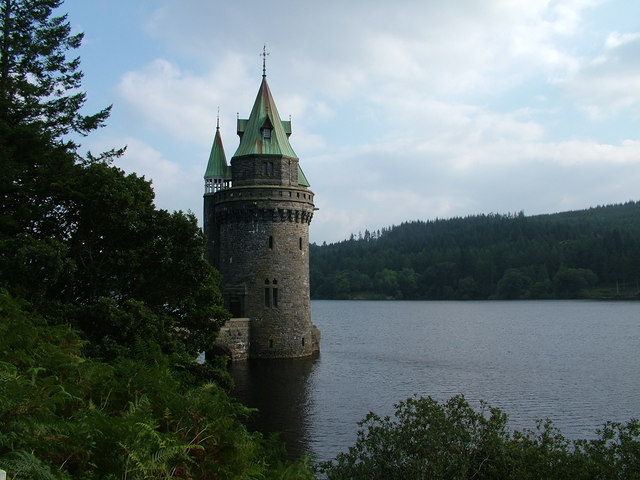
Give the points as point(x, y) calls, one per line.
point(21, 465)
point(155, 455)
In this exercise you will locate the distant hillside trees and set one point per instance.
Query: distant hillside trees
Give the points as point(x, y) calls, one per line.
point(566, 255)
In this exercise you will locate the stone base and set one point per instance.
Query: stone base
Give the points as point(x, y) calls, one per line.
point(234, 340)
point(315, 337)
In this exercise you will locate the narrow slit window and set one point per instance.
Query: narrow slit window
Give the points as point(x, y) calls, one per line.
point(300, 243)
point(267, 294)
point(270, 242)
point(274, 294)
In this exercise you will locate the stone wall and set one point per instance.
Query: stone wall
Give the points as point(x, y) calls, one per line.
point(259, 237)
point(264, 170)
point(234, 339)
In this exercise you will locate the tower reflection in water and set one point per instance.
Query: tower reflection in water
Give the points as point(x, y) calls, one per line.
point(281, 391)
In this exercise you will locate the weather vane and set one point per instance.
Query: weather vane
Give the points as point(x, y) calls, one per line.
point(264, 60)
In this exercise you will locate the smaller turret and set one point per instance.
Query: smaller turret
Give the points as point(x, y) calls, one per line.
point(218, 174)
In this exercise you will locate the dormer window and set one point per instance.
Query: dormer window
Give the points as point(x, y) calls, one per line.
point(265, 129)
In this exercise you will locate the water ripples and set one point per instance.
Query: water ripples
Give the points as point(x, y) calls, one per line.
point(574, 362)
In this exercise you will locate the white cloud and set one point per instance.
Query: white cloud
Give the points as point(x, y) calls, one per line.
point(609, 82)
point(615, 39)
point(410, 109)
point(588, 152)
point(181, 103)
point(374, 187)
point(175, 187)
point(340, 47)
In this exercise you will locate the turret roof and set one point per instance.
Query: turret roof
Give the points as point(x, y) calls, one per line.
point(302, 178)
point(264, 115)
point(217, 165)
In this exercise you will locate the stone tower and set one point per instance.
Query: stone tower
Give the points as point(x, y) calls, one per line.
point(257, 213)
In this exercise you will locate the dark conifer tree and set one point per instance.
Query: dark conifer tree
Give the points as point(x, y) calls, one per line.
point(78, 238)
point(39, 84)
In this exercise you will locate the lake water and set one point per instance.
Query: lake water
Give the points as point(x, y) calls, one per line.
point(575, 362)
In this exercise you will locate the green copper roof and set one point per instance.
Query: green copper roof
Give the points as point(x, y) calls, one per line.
point(217, 165)
point(302, 179)
point(264, 115)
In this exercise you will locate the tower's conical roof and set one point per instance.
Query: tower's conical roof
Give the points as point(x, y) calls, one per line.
point(264, 115)
point(217, 165)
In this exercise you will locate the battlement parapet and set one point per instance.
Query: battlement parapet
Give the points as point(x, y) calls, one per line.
point(251, 204)
point(253, 193)
point(251, 215)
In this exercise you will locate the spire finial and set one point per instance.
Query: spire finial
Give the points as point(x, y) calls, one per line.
point(264, 60)
point(218, 120)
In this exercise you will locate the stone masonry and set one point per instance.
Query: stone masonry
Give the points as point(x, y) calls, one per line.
point(257, 229)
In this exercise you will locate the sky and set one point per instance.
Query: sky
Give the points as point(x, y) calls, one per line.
point(401, 111)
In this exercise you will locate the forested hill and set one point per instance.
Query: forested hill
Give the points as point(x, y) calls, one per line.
point(586, 253)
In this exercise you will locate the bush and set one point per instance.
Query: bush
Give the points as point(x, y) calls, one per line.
point(452, 441)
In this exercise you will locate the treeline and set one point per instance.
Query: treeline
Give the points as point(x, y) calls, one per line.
point(594, 253)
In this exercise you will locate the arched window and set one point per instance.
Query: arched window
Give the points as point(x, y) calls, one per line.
point(271, 293)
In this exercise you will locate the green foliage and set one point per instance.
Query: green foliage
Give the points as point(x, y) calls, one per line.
point(452, 441)
point(424, 440)
point(38, 83)
point(514, 284)
point(81, 240)
point(594, 252)
point(104, 299)
point(569, 282)
point(112, 264)
point(140, 272)
point(65, 416)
